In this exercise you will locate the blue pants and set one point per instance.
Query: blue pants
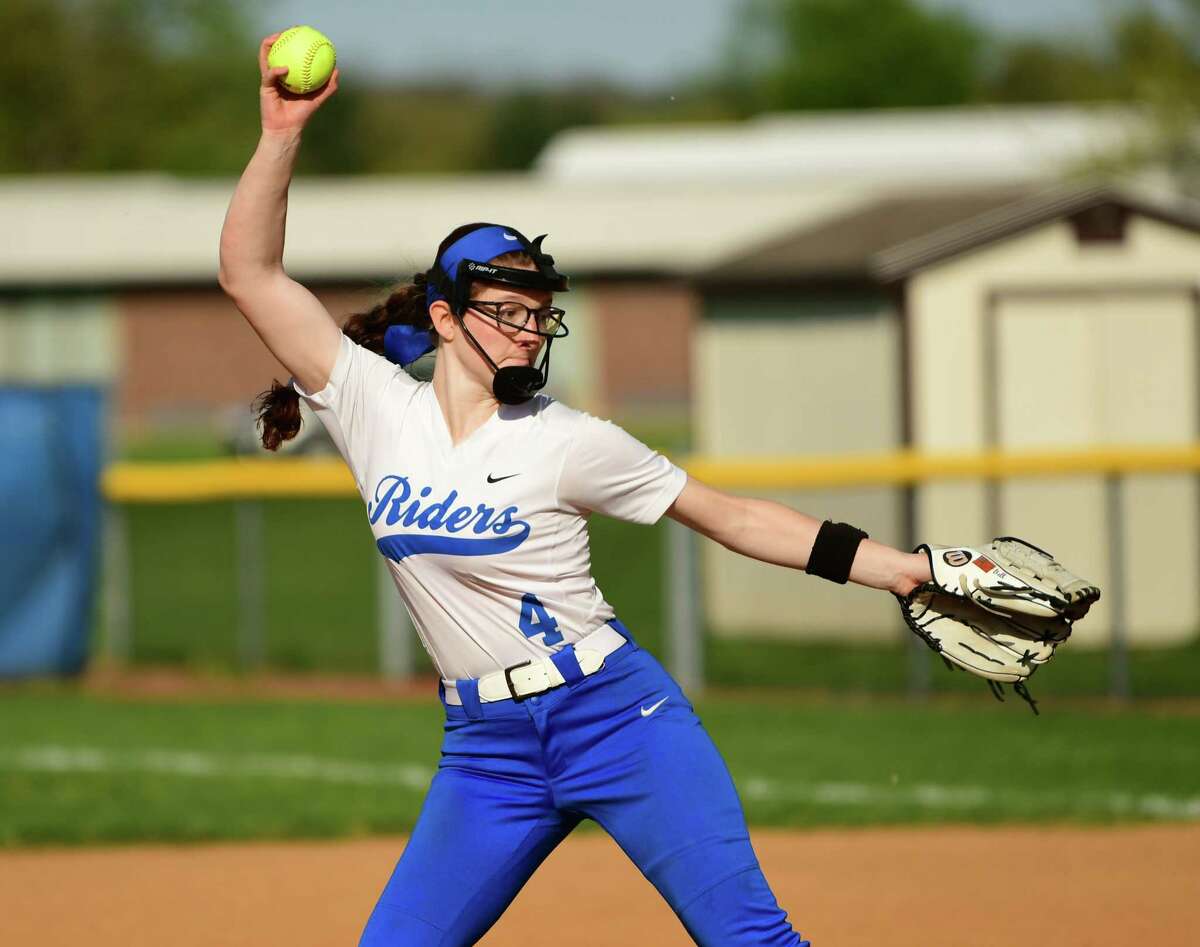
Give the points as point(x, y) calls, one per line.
point(516, 778)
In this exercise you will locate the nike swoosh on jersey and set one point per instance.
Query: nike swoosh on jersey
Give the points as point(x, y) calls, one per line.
point(647, 711)
point(491, 479)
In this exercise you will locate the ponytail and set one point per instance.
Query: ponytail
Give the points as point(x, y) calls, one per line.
point(278, 413)
point(405, 306)
point(278, 408)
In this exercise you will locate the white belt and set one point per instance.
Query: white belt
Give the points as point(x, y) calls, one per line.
point(534, 677)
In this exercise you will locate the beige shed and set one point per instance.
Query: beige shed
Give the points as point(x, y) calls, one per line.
point(961, 323)
point(1067, 321)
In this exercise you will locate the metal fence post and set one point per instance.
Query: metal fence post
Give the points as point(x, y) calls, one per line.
point(251, 590)
point(117, 642)
point(685, 645)
point(919, 676)
point(1119, 678)
point(393, 625)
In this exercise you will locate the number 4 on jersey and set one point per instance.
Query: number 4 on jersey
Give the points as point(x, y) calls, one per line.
point(536, 621)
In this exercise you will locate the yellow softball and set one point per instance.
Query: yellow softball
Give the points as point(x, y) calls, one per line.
point(308, 55)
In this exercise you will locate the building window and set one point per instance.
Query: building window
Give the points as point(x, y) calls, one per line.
point(1104, 223)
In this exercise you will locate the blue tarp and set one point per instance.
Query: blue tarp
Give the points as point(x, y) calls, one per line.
point(51, 447)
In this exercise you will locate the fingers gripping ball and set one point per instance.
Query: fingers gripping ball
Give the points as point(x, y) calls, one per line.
point(308, 55)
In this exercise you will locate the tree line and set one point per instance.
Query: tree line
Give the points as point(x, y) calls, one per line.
point(168, 85)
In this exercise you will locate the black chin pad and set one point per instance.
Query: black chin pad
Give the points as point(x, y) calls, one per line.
point(515, 384)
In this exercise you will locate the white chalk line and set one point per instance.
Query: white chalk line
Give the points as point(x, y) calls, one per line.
point(75, 759)
point(943, 798)
point(416, 777)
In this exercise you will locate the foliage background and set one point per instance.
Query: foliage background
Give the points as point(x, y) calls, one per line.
point(167, 85)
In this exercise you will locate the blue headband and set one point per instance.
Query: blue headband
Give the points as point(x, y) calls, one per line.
point(404, 344)
point(482, 245)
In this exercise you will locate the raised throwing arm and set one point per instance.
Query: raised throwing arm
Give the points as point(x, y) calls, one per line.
point(292, 322)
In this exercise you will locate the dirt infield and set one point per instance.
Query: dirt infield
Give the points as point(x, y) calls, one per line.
point(965, 887)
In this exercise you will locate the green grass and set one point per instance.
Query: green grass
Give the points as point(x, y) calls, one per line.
point(884, 669)
point(176, 442)
point(131, 802)
point(78, 769)
point(319, 585)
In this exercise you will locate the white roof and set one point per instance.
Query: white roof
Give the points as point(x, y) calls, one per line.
point(614, 200)
point(78, 230)
point(900, 146)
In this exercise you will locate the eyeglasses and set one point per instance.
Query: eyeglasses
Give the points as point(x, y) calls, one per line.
point(547, 321)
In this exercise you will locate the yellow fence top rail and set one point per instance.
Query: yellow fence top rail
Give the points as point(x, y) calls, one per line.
point(909, 467)
point(249, 479)
point(278, 478)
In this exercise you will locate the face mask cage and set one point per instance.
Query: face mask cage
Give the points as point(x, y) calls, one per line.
point(512, 384)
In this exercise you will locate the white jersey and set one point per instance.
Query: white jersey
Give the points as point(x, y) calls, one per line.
point(487, 539)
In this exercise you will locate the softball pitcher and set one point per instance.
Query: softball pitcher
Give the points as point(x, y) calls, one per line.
point(478, 491)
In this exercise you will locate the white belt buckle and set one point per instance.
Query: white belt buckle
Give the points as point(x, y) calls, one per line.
point(529, 679)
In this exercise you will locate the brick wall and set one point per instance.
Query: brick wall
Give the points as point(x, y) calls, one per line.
point(190, 350)
point(643, 330)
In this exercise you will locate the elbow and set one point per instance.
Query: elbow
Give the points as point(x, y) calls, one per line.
point(228, 273)
point(730, 524)
point(239, 268)
point(732, 538)
point(236, 280)
point(225, 280)
point(227, 262)
point(234, 286)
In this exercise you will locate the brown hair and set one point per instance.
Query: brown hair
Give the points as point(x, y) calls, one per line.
point(278, 408)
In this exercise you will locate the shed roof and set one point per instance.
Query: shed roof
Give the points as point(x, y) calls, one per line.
point(886, 239)
point(1009, 219)
point(844, 247)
